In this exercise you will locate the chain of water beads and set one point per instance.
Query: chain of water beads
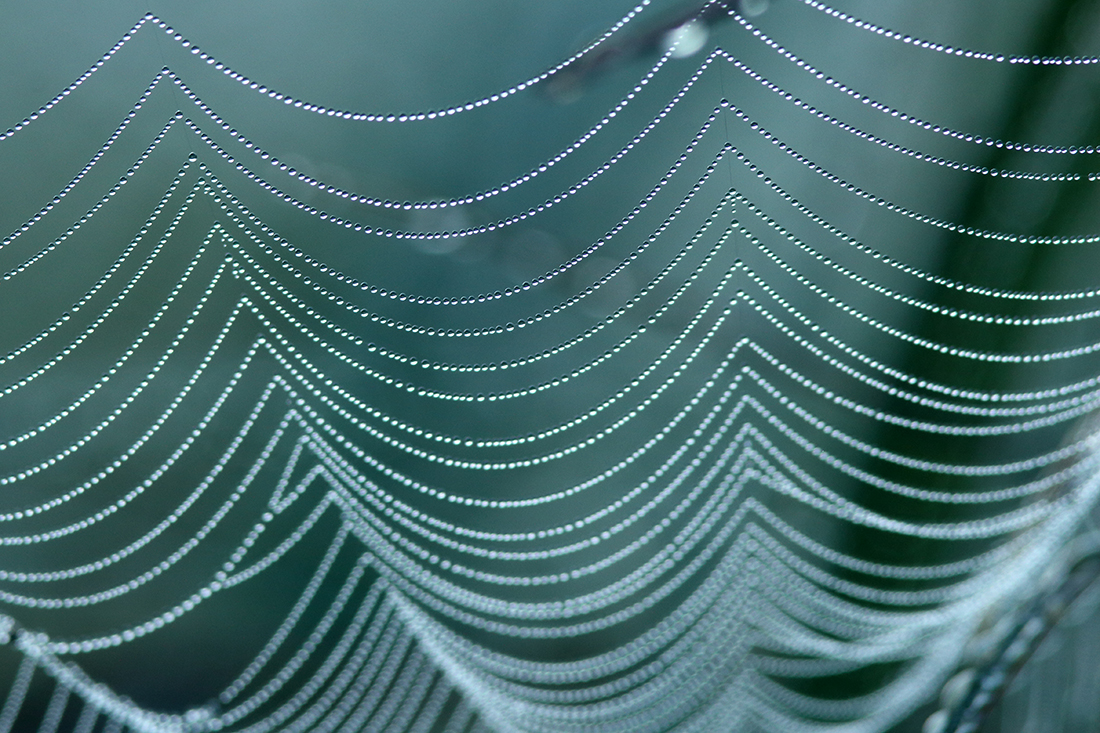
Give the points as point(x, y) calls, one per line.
point(299, 104)
point(133, 348)
point(948, 49)
point(910, 119)
point(115, 266)
point(87, 216)
point(792, 586)
point(88, 331)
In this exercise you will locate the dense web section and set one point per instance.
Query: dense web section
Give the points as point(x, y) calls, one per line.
point(699, 421)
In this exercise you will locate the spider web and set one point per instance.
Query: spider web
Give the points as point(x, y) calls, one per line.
point(698, 403)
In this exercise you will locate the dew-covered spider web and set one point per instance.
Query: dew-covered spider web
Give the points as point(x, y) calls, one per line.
point(486, 366)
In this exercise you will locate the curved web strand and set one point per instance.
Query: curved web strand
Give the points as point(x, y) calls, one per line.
point(724, 457)
point(948, 49)
point(297, 103)
point(903, 116)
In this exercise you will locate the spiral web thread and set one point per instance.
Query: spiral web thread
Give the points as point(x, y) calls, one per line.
point(611, 494)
